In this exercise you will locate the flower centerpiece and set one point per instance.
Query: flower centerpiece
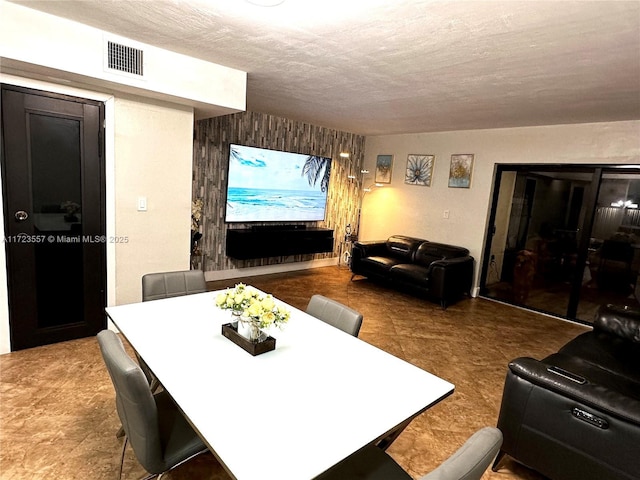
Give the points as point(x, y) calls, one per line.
point(256, 311)
point(236, 299)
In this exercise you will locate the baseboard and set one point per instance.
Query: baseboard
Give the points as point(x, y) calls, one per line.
point(267, 269)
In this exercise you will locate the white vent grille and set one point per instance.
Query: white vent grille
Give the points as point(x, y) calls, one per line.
point(124, 59)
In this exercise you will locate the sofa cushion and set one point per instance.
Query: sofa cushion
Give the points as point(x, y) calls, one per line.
point(379, 265)
point(400, 246)
point(429, 252)
point(410, 273)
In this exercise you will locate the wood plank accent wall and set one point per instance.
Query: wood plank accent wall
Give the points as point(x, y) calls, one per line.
point(210, 163)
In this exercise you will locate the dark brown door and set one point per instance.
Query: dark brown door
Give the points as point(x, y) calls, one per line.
point(53, 184)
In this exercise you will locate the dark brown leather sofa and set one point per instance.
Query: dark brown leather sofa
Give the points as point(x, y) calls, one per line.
point(576, 413)
point(435, 270)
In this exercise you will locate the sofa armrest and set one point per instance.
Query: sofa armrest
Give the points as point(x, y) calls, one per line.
point(621, 321)
point(566, 377)
point(365, 249)
point(450, 277)
point(362, 249)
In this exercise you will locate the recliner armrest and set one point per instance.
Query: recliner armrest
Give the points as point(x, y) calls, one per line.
point(575, 383)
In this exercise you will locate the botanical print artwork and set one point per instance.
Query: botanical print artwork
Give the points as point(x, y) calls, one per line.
point(384, 164)
point(460, 173)
point(419, 169)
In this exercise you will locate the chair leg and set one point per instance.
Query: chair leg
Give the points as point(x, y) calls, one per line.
point(124, 447)
point(496, 463)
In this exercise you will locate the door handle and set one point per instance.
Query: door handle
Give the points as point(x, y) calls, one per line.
point(21, 215)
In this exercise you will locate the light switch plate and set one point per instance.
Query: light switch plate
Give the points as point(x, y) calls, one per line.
point(142, 204)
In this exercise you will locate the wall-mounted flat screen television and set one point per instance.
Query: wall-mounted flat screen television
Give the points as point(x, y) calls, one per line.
point(273, 186)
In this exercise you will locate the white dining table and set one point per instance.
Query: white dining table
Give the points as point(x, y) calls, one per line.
point(291, 413)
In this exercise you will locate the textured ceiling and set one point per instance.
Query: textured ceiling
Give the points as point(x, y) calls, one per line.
point(400, 66)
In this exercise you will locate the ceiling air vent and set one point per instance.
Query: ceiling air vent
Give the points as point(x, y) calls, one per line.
point(124, 59)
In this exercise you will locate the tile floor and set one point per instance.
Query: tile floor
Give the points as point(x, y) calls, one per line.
point(57, 410)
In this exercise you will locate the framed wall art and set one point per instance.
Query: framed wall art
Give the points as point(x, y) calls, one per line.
point(384, 164)
point(460, 172)
point(419, 169)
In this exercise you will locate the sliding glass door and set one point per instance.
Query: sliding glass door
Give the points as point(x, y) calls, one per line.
point(613, 256)
point(550, 245)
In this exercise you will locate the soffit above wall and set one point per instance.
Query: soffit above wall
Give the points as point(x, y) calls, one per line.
point(36, 72)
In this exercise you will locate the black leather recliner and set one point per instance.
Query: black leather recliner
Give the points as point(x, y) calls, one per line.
point(576, 413)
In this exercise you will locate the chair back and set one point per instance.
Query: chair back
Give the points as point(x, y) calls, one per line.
point(335, 314)
point(172, 284)
point(472, 459)
point(135, 404)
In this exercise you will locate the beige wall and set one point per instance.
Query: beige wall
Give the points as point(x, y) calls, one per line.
point(415, 210)
point(153, 152)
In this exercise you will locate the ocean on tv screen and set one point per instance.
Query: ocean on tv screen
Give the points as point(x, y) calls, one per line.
point(255, 204)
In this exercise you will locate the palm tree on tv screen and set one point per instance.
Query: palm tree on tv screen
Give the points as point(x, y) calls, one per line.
point(317, 168)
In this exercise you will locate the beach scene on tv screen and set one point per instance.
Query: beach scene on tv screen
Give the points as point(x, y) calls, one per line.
point(270, 185)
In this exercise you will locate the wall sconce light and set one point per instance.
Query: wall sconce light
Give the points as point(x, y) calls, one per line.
point(344, 154)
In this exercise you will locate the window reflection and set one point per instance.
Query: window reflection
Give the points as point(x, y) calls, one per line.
point(543, 254)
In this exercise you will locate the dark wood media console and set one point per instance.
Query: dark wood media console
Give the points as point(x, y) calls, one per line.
point(261, 242)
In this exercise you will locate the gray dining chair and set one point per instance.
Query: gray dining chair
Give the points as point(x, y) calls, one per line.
point(172, 284)
point(469, 462)
point(335, 314)
point(156, 286)
point(160, 436)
